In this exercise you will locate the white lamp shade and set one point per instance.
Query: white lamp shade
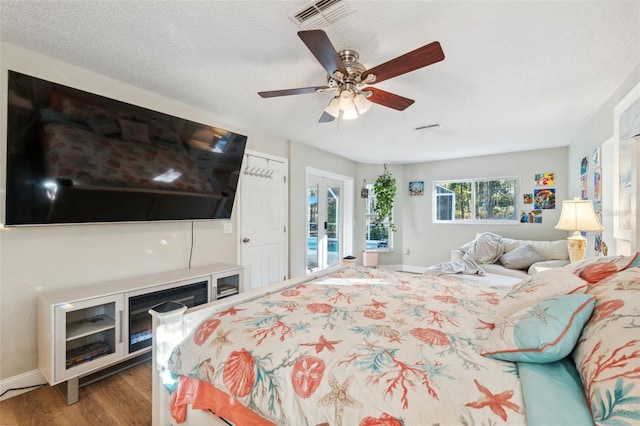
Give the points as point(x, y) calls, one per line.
point(332, 109)
point(578, 215)
point(346, 100)
point(362, 103)
point(350, 114)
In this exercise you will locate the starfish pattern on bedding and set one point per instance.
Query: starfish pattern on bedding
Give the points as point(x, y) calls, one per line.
point(495, 401)
point(231, 311)
point(220, 340)
point(322, 344)
point(539, 313)
point(339, 398)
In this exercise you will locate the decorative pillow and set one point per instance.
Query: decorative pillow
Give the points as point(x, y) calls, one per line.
point(132, 131)
point(607, 357)
point(104, 126)
point(629, 279)
point(620, 262)
point(545, 332)
point(521, 257)
point(536, 288)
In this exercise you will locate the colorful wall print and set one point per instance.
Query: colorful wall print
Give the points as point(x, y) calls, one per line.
point(527, 198)
point(544, 198)
point(545, 179)
point(597, 182)
point(584, 165)
point(533, 216)
point(595, 158)
point(416, 188)
point(583, 186)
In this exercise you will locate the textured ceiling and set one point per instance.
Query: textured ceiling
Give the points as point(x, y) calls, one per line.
point(518, 75)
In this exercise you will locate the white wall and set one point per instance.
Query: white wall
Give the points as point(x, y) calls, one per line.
point(595, 133)
point(431, 243)
point(36, 259)
point(300, 157)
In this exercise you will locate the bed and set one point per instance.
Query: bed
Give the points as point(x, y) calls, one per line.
point(375, 347)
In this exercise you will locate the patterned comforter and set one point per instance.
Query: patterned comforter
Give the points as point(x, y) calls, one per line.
point(359, 347)
point(88, 159)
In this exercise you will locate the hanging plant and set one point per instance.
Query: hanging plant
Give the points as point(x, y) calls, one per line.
point(385, 190)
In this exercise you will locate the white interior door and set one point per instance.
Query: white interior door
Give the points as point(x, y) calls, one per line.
point(263, 220)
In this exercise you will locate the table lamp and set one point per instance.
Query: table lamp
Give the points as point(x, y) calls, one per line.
point(578, 215)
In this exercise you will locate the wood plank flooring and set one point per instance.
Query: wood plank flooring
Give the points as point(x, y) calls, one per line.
point(122, 399)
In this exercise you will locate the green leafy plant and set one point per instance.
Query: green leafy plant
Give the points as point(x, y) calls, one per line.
point(385, 190)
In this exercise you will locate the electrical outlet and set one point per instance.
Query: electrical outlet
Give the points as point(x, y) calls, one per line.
point(227, 228)
point(407, 251)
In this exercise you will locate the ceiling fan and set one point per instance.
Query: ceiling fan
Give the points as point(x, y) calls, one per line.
point(351, 80)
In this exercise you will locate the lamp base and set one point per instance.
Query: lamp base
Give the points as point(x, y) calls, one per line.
point(577, 245)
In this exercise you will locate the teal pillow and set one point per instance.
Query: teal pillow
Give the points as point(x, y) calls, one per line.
point(553, 394)
point(544, 332)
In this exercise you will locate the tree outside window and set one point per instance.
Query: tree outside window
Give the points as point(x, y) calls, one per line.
point(476, 200)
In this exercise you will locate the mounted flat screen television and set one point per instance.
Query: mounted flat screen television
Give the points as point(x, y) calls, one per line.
point(77, 157)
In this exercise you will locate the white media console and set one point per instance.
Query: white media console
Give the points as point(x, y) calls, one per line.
point(85, 329)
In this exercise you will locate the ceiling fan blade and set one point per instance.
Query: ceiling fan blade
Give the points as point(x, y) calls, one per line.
point(326, 117)
point(419, 58)
point(388, 99)
point(287, 92)
point(320, 45)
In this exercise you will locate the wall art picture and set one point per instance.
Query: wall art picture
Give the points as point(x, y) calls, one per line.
point(545, 179)
point(416, 188)
point(527, 198)
point(544, 199)
point(595, 158)
point(597, 185)
point(584, 165)
point(533, 216)
point(584, 186)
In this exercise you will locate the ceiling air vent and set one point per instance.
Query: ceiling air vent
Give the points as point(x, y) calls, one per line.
point(319, 14)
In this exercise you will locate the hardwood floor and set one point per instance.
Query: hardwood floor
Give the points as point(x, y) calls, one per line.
point(122, 399)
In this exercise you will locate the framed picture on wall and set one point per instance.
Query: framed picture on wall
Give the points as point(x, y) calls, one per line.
point(626, 123)
point(416, 188)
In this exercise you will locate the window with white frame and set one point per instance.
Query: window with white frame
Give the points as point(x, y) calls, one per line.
point(476, 200)
point(378, 235)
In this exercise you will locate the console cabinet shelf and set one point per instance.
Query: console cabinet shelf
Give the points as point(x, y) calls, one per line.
point(85, 329)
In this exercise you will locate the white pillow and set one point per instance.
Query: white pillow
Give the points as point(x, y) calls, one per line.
point(521, 258)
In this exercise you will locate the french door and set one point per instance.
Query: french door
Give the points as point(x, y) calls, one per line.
point(325, 218)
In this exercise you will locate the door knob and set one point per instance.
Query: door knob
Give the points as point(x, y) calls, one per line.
point(245, 240)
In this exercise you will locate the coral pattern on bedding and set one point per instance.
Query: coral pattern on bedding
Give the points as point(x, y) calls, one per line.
point(89, 159)
point(608, 352)
point(360, 347)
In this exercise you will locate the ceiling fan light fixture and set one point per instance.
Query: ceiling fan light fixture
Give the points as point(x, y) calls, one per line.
point(332, 109)
point(350, 114)
point(345, 102)
point(362, 103)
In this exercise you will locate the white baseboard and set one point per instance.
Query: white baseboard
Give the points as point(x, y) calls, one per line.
point(24, 380)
